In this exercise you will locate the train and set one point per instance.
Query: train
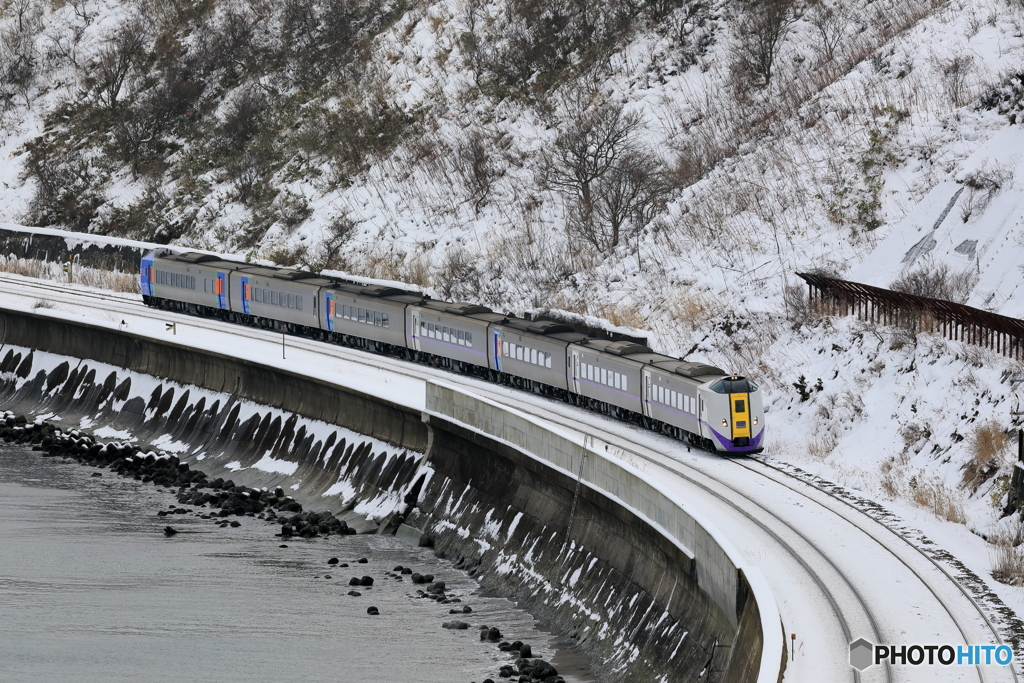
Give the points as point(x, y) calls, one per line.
point(694, 402)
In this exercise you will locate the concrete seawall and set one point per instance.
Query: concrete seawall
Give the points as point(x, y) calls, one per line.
point(583, 541)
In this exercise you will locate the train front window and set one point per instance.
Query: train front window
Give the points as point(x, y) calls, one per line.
point(733, 385)
point(741, 406)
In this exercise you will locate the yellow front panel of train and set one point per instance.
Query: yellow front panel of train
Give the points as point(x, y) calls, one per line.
point(739, 405)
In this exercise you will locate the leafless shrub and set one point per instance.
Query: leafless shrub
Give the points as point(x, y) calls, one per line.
point(19, 59)
point(936, 281)
point(956, 71)
point(458, 276)
point(983, 184)
point(761, 32)
point(43, 303)
point(124, 47)
point(1007, 556)
point(477, 167)
point(830, 25)
point(326, 255)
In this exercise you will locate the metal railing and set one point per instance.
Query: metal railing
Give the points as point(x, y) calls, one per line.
point(919, 314)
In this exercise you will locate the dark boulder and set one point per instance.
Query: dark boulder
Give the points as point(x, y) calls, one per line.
point(372, 610)
point(333, 560)
point(366, 581)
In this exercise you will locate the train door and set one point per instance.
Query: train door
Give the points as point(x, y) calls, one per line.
point(739, 406)
point(645, 393)
point(415, 335)
point(574, 371)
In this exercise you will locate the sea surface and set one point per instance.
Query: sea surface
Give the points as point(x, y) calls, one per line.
point(92, 590)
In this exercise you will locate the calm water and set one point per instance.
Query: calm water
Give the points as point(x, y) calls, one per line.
point(91, 590)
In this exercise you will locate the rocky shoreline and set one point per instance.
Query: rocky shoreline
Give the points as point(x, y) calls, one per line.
point(220, 499)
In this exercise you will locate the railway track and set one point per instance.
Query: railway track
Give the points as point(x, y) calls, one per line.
point(849, 606)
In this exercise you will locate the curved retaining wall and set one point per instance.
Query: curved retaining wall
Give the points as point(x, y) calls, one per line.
point(583, 541)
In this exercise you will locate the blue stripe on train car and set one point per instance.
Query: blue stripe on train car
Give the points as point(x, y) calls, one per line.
point(222, 297)
point(245, 295)
point(145, 283)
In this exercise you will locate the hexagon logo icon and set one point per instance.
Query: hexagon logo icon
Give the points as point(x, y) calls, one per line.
point(861, 654)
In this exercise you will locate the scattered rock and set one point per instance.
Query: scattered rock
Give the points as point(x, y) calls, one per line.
point(398, 569)
point(170, 531)
point(354, 593)
point(97, 474)
point(236, 524)
point(282, 546)
point(372, 610)
point(366, 581)
point(333, 560)
point(327, 576)
point(362, 560)
point(525, 652)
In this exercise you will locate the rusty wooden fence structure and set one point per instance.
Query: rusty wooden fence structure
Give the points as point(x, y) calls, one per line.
point(919, 314)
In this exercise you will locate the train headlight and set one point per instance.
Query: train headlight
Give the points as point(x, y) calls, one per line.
point(725, 423)
point(755, 419)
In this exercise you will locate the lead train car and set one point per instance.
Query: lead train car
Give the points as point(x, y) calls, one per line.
point(691, 401)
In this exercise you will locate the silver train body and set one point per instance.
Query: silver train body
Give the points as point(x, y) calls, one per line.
point(691, 401)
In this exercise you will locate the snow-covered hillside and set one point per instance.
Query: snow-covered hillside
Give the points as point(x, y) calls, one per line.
point(649, 162)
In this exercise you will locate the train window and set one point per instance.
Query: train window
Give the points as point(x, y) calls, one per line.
point(430, 330)
point(384, 319)
point(290, 301)
point(462, 338)
point(604, 376)
point(728, 385)
point(590, 372)
point(618, 381)
point(360, 314)
point(446, 333)
point(519, 351)
point(298, 302)
point(741, 406)
point(376, 318)
point(273, 298)
point(625, 384)
point(547, 360)
point(469, 339)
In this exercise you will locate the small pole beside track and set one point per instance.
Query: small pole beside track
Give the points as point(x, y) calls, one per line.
point(282, 346)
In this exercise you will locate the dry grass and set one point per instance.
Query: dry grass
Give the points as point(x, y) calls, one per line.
point(942, 502)
point(623, 315)
point(820, 446)
point(693, 309)
point(988, 445)
point(113, 280)
point(1007, 557)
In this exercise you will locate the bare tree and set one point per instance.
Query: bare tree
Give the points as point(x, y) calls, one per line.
point(588, 148)
point(761, 32)
point(612, 187)
point(830, 23)
point(117, 59)
point(625, 200)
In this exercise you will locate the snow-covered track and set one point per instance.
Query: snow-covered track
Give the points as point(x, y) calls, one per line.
point(819, 583)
